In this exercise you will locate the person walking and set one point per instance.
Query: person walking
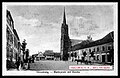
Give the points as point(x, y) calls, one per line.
point(18, 63)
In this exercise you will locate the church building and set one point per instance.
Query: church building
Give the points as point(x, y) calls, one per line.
point(65, 40)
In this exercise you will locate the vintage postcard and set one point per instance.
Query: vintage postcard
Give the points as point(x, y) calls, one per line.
point(60, 39)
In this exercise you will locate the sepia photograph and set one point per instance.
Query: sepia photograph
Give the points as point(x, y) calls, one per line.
point(75, 39)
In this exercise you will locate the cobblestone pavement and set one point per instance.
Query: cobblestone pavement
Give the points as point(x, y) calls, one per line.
point(55, 65)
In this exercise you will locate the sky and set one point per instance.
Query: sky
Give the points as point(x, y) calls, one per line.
point(40, 25)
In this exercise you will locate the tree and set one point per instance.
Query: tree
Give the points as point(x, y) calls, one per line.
point(23, 48)
point(24, 45)
point(27, 54)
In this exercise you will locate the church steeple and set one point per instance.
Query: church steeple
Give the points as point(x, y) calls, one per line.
point(64, 17)
point(64, 39)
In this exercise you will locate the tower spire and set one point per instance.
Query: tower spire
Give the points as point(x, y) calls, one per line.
point(64, 17)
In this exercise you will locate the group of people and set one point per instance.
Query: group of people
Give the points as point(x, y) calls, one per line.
point(83, 60)
point(24, 64)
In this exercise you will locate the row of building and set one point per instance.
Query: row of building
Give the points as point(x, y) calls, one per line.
point(47, 55)
point(102, 49)
point(13, 45)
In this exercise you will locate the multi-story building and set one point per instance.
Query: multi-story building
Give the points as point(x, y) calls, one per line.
point(13, 43)
point(9, 36)
point(101, 51)
point(16, 46)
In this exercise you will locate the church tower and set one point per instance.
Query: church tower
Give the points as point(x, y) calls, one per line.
point(64, 39)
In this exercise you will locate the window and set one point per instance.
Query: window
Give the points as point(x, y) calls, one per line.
point(89, 50)
point(7, 34)
point(94, 50)
point(8, 52)
point(8, 20)
point(15, 43)
point(109, 47)
point(97, 57)
point(97, 48)
point(103, 48)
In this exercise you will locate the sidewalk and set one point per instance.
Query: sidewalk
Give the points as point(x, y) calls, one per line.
point(12, 70)
point(17, 70)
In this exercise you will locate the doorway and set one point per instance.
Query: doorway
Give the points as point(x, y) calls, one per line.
point(103, 58)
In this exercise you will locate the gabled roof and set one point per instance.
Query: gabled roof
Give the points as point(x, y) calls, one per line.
point(40, 54)
point(108, 38)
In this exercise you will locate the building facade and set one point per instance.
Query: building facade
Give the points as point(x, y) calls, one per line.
point(9, 36)
point(12, 40)
point(100, 51)
point(16, 47)
point(49, 55)
point(56, 56)
point(65, 40)
point(40, 56)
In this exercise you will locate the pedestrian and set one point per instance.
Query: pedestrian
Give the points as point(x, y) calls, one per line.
point(18, 63)
point(21, 64)
point(33, 59)
point(29, 61)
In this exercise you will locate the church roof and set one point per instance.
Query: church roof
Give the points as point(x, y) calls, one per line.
point(64, 17)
